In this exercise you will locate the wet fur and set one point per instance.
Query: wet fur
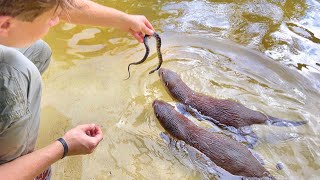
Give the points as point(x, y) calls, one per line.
point(222, 150)
point(224, 111)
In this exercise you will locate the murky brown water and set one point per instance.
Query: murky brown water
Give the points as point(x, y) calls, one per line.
point(264, 54)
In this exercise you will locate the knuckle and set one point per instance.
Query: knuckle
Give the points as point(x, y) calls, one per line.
point(89, 151)
point(92, 145)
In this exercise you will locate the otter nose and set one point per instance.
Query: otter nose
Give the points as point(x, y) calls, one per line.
point(155, 102)
point(160, 71)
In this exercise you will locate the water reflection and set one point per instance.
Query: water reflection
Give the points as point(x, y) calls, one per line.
point(85, 82)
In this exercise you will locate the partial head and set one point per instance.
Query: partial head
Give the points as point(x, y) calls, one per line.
point(172, 121)
point(169, 78)
point(160, 108)
point(23, 22)
point(165, 113)
point(174, 85)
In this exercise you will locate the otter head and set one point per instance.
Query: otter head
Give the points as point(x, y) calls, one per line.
point(169, 78)
point(172, 121)
point(174, 85)
point(161, 109)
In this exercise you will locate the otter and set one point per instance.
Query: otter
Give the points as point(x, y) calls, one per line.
point(225, 112)
point(225, 152)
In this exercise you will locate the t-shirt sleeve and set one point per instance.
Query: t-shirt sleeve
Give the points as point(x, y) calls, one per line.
point(12, 101)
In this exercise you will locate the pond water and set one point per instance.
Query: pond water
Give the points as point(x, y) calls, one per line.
point(262, 53)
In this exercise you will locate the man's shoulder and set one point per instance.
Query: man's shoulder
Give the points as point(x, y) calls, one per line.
point(14, 63)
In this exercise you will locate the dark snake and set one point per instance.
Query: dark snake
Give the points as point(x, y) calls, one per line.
point(145, 41)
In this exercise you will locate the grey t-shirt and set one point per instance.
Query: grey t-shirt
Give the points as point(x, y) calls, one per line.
point(20, 96)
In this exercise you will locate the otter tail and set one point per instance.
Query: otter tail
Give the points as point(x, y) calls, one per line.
point(282, 122)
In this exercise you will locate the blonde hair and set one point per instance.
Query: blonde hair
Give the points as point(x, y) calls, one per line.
point(28, 10)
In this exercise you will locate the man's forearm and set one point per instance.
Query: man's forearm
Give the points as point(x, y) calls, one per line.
point(33, 164)
point(91, 13)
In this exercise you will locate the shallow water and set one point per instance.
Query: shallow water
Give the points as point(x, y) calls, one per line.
point(263, 54)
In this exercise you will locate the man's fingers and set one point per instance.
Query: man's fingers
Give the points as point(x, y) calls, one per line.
point(98, 134)
point(89, 133)
point(148, 24)
point(95, 139)
point(147, 30)
point(98, 137)
point(98, 130)
point(91, 130)
point(86, 127)
point(137, 36)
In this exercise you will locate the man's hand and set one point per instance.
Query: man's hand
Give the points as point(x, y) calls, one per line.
point(83, 139)
point(138, 26)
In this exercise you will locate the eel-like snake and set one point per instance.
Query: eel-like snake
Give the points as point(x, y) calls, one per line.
point(145, 41)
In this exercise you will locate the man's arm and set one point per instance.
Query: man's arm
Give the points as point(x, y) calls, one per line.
point(31, 165)
point(91, 13)
point(81, 140)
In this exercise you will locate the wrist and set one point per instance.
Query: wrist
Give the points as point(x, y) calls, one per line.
point(124, 21)
point(65, 147)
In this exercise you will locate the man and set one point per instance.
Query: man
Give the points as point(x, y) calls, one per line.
point(22, 24)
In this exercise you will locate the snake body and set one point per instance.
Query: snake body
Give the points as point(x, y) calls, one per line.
point(145, 42)
point(158, 41)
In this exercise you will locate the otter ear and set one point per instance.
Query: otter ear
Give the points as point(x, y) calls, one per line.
point(5, 24)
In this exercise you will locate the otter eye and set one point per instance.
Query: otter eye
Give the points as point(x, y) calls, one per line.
point(157, 115)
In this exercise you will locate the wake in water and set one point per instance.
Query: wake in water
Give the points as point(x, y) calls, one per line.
point(196, 160)
point(199, 162)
